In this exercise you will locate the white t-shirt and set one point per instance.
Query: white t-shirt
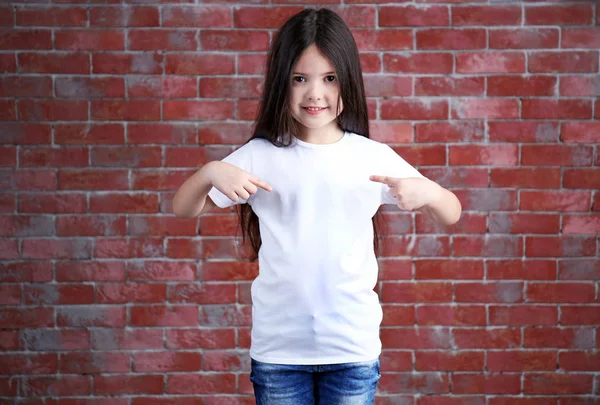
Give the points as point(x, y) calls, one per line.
point(313, 300)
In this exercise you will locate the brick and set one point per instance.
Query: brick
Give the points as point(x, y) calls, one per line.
point(123, 203)
point(449, 86)
point(580, 38)
point(200, 338)
point(155, 40)
point(521, 360)
point(121, 63)
point(91, 316)
point(451, 39)
point(521, 86)
point(397, 315)
point(64, 248)
point(414, 109)
point(579, 269)
point(484, 199)
point(47, 294)
point(523, 38)
point(391, 132)
point(503, 155)
point(556, 109)
point(25, 39)
point(124, 16)
point(156, 133)
point(408, 292)
point(8, 110)
point(225, 315)
point(255, 63)
point(494, 246)
point(484, 108)
point(17, 318)
point(154, 270)
point(416, 338)
point(24, 86)
point(56, 62)
point(125, 110)
point(449, 361)
point(128, 156)
point(413, 16)
point(524, 132)
point(557, 384)
point(40, 16)
point(575, 224)
point(555, 200)
point(263, 17)
point(520, 223)
point(94, 363)
point(57, 386)
point(122, 339)
point(8, 202)
point(446, 315)
point(31, 272)
point(90, 40)
point(572, 14)
point(581, 178)
point(128, 248)
point(418, 62)
point(89, 87)
point(8, 62)
point(198, 16)
point(89, 134)
point(456, 269)
point(197, 110)
point(560, 338)
point(152, 384)
point(40, 179)
point(97, 225)
point(93, 270)
point(156, 180)
point(200, 64)
point(579, 315)
point(387, 86)
point(563, 292)
point(231, 87)
point(468, 223)
point(131, 293)
point(53, 110)
point(556, 246)
point(218, 225)
point(247, 110)
point(355, 16)
point(579, 361)
point(161, 362)
point(8, 156)
point(19, 133)
point(504, 338)
point(53, 157)
point(7, 16)
point(386, 40)
point(21, 225)
point(161, 87)
point(523, 315)
point(563, 62)
point(490, 62)
point(586, 86)
point(71, 179)
point(53, 204)
point(238, 40)
point(160, 315)
point(10, 294)
point(556, 155)
point(55, 340)
point(486, 15)
point(526, 177)
point(518, 269)
point(201, 383)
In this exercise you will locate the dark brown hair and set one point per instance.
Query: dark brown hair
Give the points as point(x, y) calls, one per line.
point(274, 122)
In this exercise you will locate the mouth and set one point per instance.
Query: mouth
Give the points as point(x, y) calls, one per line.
point(314, 110)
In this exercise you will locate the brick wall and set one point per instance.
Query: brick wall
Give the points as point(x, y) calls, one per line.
point(106, 107)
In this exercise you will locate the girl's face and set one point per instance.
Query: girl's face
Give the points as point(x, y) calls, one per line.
point(314, 92)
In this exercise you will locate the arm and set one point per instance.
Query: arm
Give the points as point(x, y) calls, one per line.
point(191, 200)
point(445, 209)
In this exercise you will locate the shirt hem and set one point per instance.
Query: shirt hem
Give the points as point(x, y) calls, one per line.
point(315, 361)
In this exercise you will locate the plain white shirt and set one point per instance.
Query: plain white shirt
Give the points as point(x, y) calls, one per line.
point(313, 300)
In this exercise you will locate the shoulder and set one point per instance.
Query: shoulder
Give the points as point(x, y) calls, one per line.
point(367, 144)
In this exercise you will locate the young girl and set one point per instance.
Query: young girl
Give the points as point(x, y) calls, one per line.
point(310, 182)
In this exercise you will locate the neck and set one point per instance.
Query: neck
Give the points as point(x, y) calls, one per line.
point(328, 134)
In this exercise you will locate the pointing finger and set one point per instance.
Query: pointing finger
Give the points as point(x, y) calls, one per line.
point(380, 179)
point(258, 182)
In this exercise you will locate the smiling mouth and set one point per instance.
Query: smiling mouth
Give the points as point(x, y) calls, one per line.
point(314, 109)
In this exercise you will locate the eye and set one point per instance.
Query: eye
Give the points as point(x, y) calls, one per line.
point(330, 78)
point(298, 79)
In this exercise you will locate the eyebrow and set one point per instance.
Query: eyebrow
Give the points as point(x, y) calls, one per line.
point(304, 74)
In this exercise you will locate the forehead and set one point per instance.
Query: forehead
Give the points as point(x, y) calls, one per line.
point(312, 61)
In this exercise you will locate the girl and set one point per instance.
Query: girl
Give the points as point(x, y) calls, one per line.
point(310, 182)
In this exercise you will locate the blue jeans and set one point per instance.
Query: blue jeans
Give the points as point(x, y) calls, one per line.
point(331, 384)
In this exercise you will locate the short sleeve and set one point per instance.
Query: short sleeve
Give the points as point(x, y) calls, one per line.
point(242, 158)
point(393, 165)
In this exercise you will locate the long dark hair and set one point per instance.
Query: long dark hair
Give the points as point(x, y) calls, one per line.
point(274, 122)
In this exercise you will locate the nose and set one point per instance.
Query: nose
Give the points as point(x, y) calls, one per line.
point(315, 90)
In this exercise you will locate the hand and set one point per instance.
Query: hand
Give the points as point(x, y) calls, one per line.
point(234, 182)
point(410, 193)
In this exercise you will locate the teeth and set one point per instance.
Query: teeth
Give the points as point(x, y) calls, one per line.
point(314, 109)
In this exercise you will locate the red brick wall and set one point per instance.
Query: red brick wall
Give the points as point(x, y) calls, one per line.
point(105, 108)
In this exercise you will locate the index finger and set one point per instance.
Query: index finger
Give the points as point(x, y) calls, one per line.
point(381, 179)
point(259, 183)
